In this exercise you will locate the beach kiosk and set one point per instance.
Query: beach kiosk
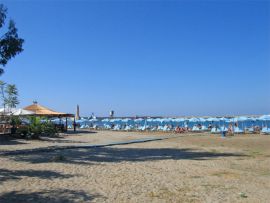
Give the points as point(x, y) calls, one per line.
point(40, 110)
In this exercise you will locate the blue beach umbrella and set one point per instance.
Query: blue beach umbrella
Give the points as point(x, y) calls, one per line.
point(264, 118)
point(106, 120)
point(212, 119)
point(179, 120)
point(194, 120)
point(93, 120)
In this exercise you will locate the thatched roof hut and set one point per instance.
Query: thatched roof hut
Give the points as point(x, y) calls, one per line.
point(44, 111)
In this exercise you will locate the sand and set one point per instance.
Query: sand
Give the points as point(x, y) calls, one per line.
point(189, 168)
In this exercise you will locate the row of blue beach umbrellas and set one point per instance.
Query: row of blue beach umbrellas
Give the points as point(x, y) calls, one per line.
point(163, 121)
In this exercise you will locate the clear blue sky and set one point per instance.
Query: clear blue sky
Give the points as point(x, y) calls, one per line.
point(143, 57)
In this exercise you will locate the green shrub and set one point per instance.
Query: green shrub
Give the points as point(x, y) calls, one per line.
point(37, 128)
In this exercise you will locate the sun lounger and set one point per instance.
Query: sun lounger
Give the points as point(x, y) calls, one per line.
point(153, 129)
point(166, 128)
point(223, 129)
point(143, 128)
point(127, 128)
point(160, 128)
point(215, 130)
point(204, 128)
point(195, 129)
point(266, 130)
point(117, 127)
point(238, 130)
point(82, 126)
point(107, 127)
point(250, 130)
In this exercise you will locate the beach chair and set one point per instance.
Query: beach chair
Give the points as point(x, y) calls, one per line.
point(238, 130)
point(160, 128)
point(215, 130)
point(195, 129)
point(250, 130)
point(204, 128)
point(82, 126)
point(144, 128)
point(117, 127)
point(139, 128)
point(153, 129)
point(127, 128)
point(166, 128)
point(223, 129)
point(107, 127)
point(265, 131)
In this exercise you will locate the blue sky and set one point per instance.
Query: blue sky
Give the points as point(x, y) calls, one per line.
point(167, 58)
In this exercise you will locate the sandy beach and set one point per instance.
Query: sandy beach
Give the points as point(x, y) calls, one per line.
point(187, 168)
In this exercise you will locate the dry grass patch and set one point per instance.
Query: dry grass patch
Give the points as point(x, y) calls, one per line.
point(226, 174)
point(176, 195)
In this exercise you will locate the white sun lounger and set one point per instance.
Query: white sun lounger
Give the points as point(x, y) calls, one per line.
point(238, 130)
point(266, 130)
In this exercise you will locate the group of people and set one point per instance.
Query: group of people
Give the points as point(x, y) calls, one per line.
point(179, 129)
point(229, 130)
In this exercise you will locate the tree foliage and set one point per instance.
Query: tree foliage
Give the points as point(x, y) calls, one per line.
point(11, 99)
point(10, 43)
point(9, 95)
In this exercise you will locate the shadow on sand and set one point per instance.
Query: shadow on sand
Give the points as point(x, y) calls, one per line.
point(6, 175)
point(80, 131)
point(47, 196)
point(88, 156)
point(9, 140)
point(116, 155)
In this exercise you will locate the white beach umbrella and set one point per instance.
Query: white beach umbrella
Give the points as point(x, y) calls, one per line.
point(211, 119)
point(105, 120)
point(264, 118)
point(82, 121)
point(138, 120)
point(126, 120)
point(202, 120)
point(232, 120)
point(21, 112)
point(193, 120)
point(165, 120)
point(179, 120)
point(242, 118)
point(93, 120)
point(157, 120)
point(7, 111)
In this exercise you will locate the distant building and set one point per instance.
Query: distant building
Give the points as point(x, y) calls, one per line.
point(77, 117)
point(112, 114)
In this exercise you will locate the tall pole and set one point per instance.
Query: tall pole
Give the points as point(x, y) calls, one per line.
point(66, 125)
point(74, 124)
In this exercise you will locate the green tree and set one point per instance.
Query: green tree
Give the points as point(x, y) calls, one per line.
point(11, 100)
point(10, 43)
point(2, 92)
point(9, 97)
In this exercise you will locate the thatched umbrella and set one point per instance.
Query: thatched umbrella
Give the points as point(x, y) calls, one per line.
point(44, 111)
